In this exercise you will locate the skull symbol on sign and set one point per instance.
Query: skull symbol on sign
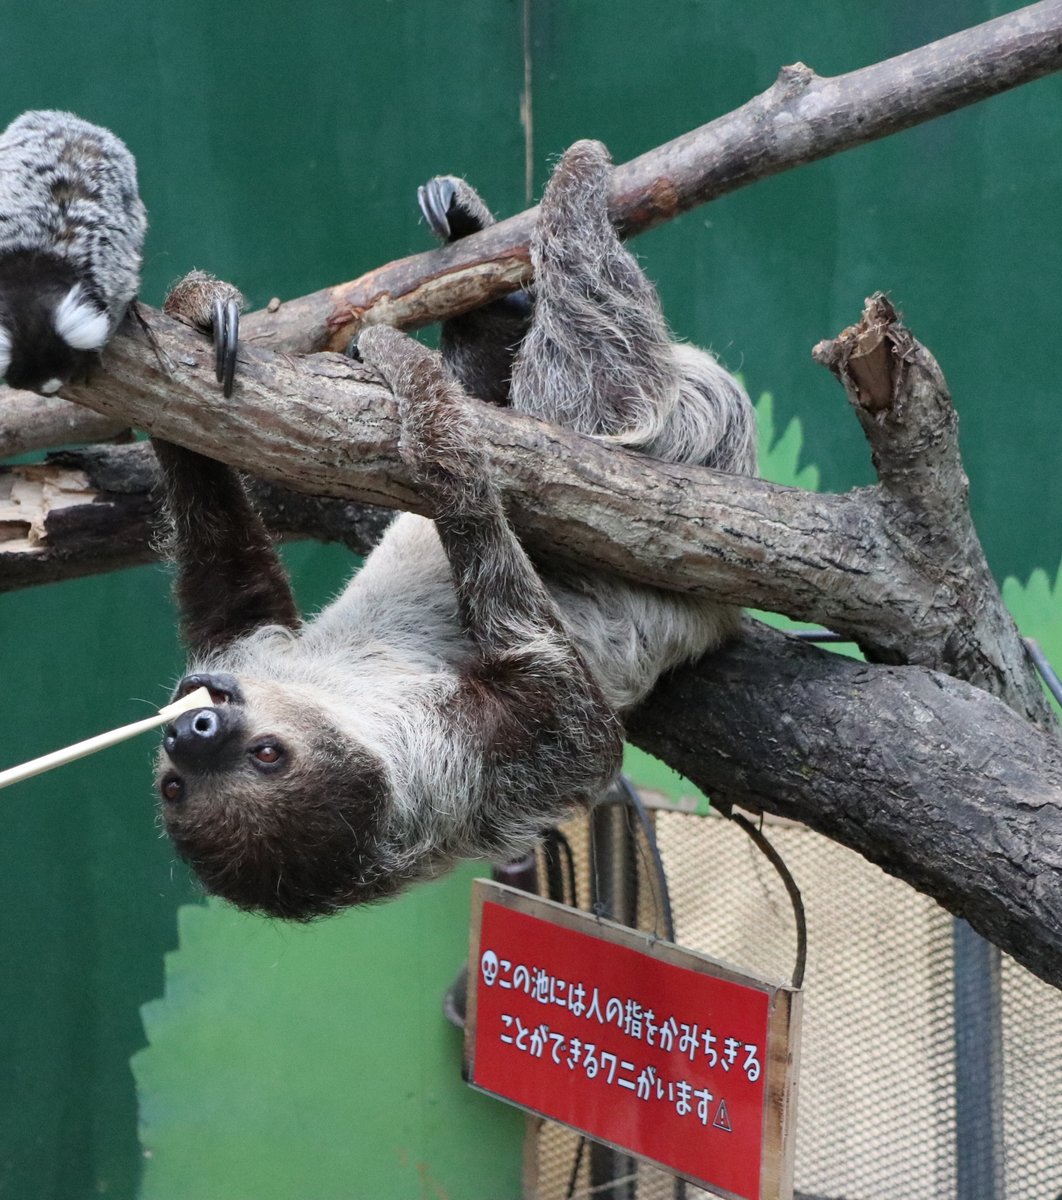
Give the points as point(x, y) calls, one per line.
point(488, 964)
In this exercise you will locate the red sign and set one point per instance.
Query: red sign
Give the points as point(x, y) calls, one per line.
point(655, 1050)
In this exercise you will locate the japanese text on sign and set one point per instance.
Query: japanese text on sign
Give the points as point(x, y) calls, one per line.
point(657, 1058)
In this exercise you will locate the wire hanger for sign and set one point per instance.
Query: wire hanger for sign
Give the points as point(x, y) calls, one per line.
point(775, 859)
point(662, 896)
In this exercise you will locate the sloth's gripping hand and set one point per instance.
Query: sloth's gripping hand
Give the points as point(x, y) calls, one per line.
point(479, 346)
point(530, 697)
point(452, 208)
point(229, 578)
point(435, 441)
point(212, 307)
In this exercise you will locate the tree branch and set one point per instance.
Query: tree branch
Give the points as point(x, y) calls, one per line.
point(30, 422)
point(863, 564)
point(935, 781)
point(85, 512)
point(801, 118)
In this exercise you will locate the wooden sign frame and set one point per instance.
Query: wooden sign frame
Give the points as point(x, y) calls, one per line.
point(781, 1045)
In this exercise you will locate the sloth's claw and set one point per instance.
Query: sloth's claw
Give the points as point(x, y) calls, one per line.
point(434, 199)
point(226, 333)
point(452, 208)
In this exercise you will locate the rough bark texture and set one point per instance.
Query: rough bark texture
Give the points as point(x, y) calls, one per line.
point(84, 512)
point(799, 119)
point(902, 401)
point(934, 780)
point(865, 564)
point(30, 422)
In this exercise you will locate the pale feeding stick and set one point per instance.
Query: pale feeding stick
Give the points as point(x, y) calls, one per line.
point(200, 698)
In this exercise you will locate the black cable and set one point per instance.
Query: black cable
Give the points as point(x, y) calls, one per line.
point(561, 842)
point(575, 1169)
point(776, 861)
point(662, 891)
point(1047, 672)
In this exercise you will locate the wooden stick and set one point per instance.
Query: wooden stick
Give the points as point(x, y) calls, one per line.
point(200, 698)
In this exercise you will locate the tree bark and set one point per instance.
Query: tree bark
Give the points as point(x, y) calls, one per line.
point(868, 564)
point(90, 511)
point(29, 422)
point(934, 780)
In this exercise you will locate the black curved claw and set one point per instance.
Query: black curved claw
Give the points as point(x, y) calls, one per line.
point(226, 342)
point(353, 351)
point(435, 198)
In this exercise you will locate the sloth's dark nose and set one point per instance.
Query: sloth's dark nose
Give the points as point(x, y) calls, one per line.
point(223, 687)
point(199, 737)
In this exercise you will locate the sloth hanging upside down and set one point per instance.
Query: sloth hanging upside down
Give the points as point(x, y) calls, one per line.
point(452, 703)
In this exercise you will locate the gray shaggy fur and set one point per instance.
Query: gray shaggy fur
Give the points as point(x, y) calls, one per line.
point(70, 218)
point(450, 703)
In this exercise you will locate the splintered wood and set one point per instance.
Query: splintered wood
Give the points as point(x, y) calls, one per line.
point(29, 495)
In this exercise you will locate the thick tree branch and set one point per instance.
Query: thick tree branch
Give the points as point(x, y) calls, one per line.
point(939, 783)
point(854, 562)
point(801, 118)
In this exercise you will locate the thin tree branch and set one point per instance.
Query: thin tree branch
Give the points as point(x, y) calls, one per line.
point(29, 422)
point(801, 118)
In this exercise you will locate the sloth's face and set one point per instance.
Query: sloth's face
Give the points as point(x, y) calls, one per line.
point(271, 806)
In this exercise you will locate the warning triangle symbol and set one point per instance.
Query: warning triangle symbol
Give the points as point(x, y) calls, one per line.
point(722, 1118)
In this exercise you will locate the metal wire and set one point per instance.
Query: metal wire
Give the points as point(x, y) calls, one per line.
point(776, 861)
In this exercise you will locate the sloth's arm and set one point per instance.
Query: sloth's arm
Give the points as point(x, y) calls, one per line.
point(479, 346)
point(529, 698)
point(229, 577)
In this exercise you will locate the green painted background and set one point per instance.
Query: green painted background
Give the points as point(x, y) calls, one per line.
point(280, 145)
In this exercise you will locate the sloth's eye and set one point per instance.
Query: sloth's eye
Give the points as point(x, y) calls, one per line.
point(267, 754)
point(172, 788)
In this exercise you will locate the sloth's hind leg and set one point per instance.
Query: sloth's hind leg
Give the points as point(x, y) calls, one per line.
point(598, 357)
point(529, 700)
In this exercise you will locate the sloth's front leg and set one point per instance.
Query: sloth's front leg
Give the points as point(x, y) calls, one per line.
point(537, 714)
point(229, 577)
point(479, 346)
point(213, 307)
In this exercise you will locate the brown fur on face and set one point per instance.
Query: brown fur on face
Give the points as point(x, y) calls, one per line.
point(299, 838)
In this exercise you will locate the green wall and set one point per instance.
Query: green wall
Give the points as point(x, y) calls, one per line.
point(280, 146)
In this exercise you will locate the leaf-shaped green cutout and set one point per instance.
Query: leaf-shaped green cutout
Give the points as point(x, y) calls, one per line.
point(289, 1062)
point(779, 457)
